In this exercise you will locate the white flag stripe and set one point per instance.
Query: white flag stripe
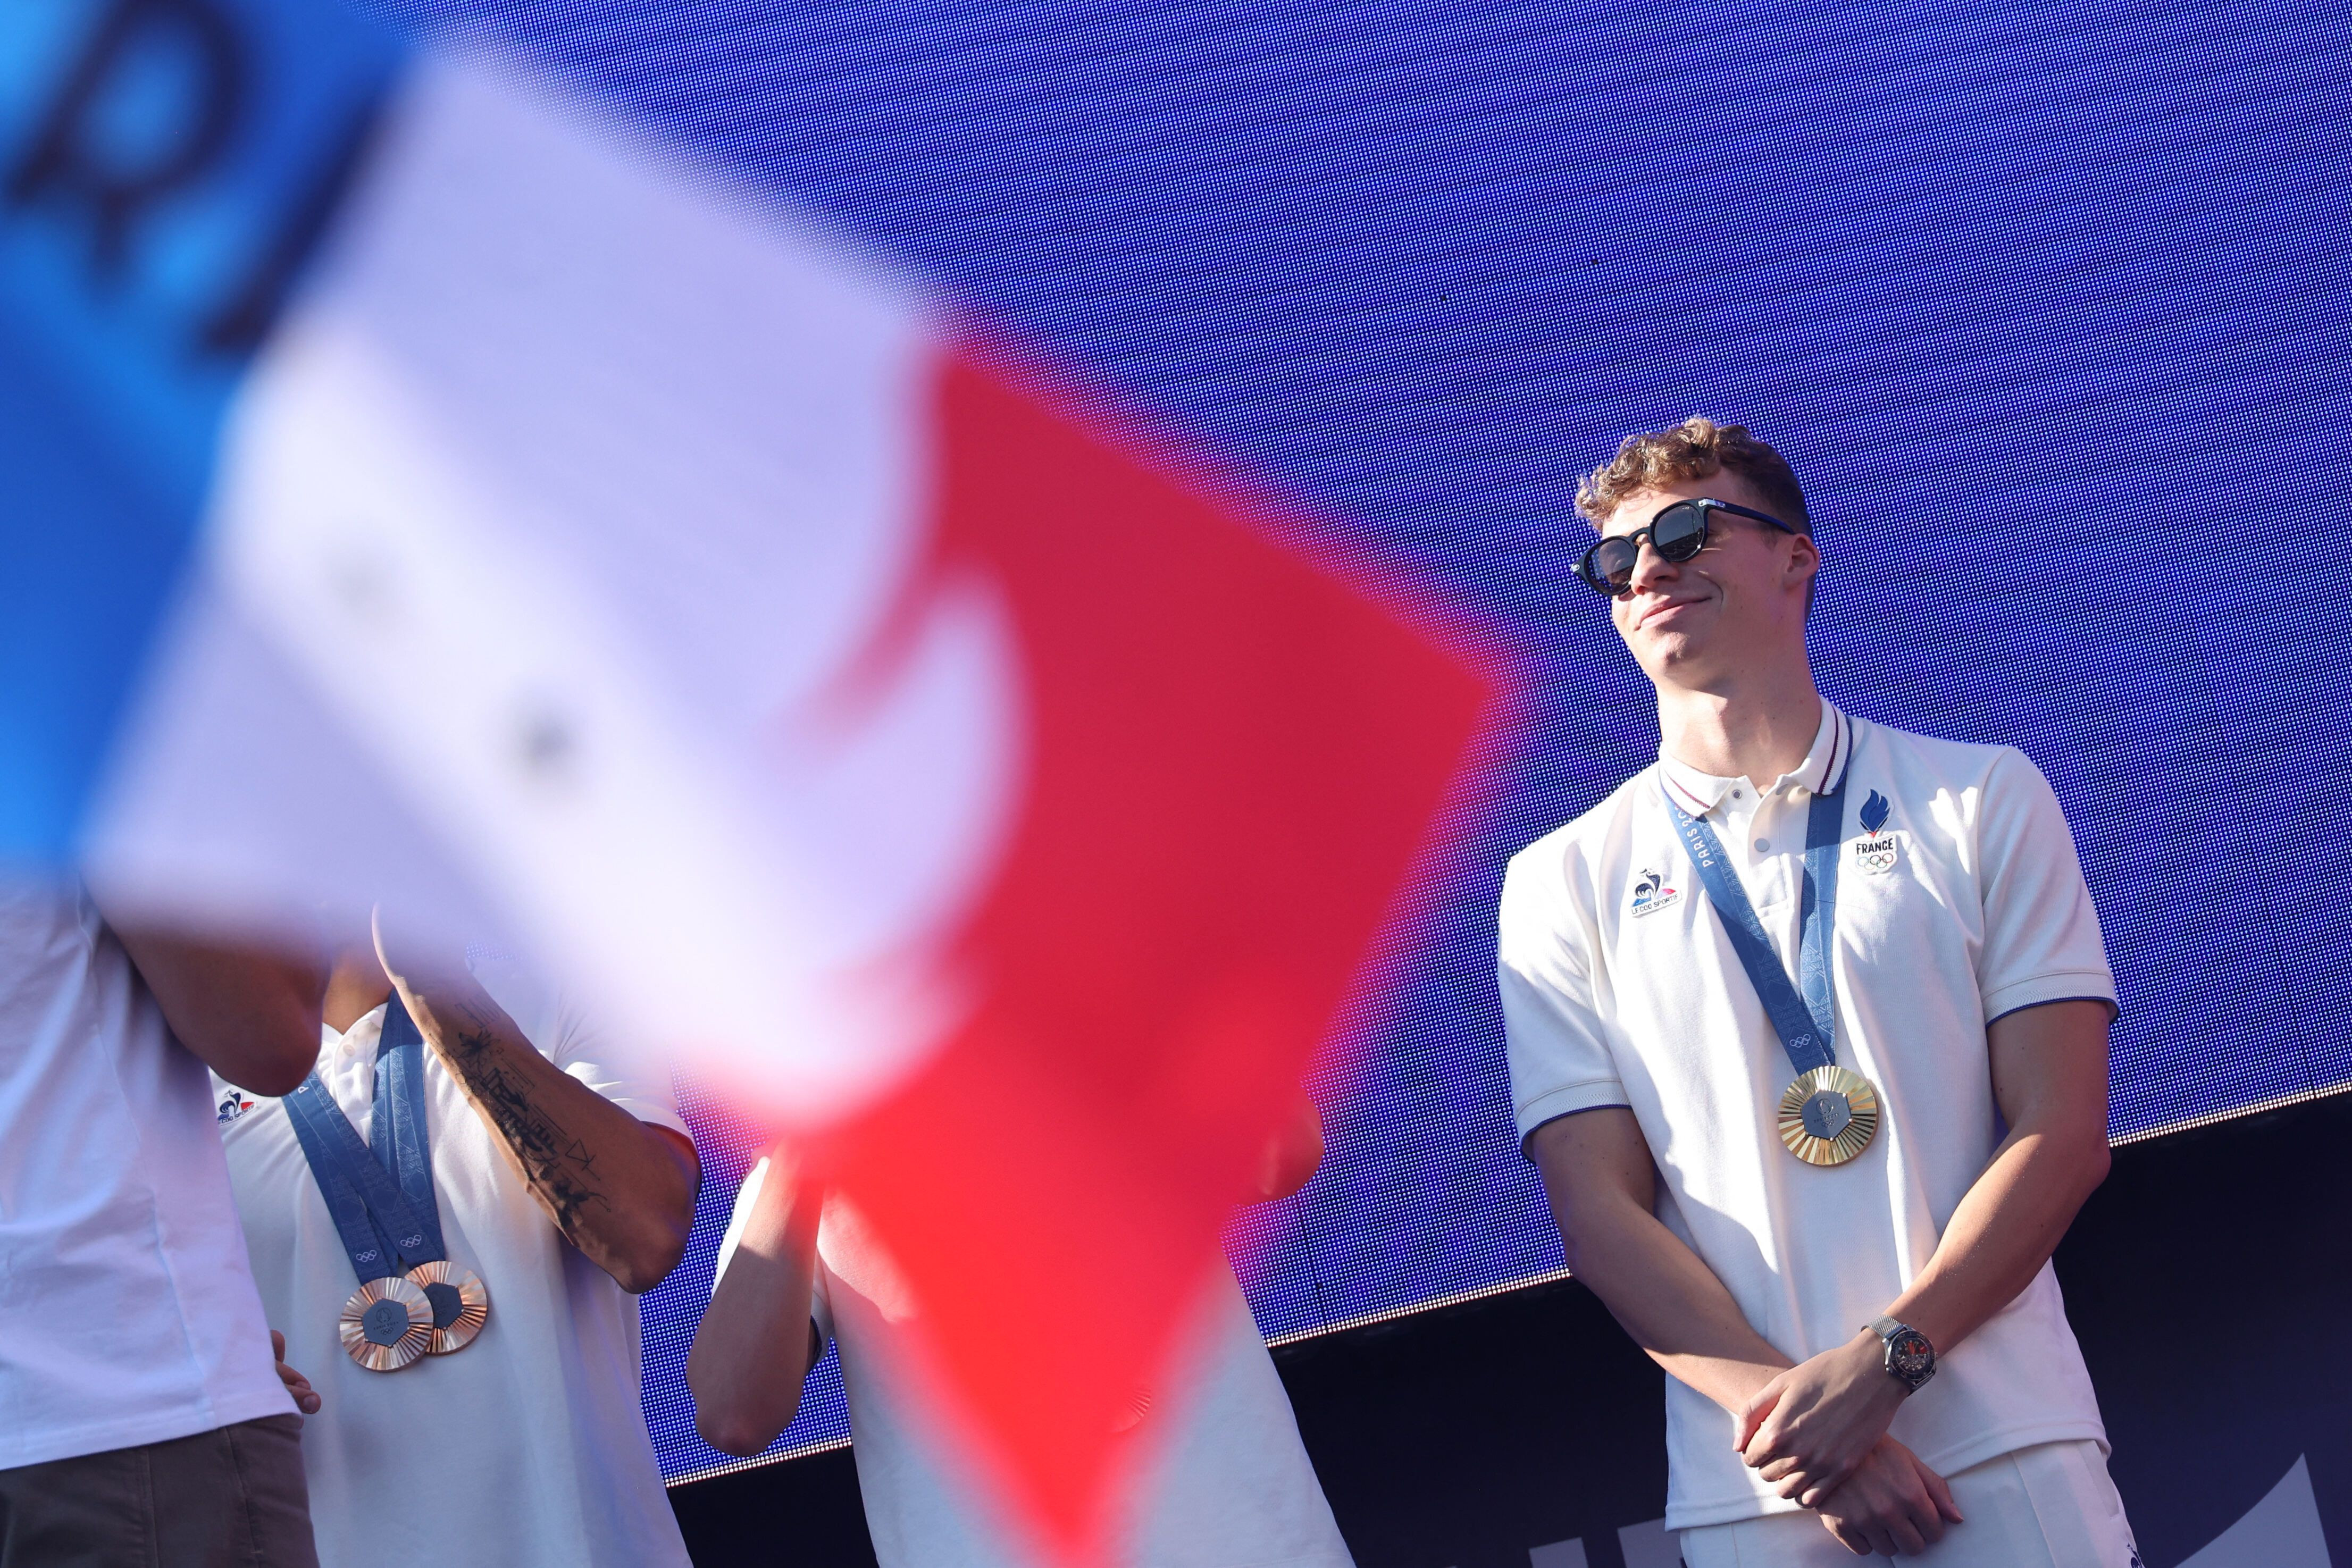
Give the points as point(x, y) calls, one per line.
point(720, 416)
point(572, 483)
point(486, 686)
point(197, 826)
point(725, 410)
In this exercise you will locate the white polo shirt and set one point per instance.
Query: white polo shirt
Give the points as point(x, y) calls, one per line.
point(1620, 988)
point(527, 1447)
point(1232, 1489)
point(127, 1315)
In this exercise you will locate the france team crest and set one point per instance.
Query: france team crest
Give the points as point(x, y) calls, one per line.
point(1877, 850)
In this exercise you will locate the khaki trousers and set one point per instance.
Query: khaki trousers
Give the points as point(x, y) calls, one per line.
point(2051, 1506)
point(231, 1498)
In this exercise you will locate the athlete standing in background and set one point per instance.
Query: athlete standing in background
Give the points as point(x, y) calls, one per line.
point(1809, 1042)
point(449, 1222)
point(1230, 1485)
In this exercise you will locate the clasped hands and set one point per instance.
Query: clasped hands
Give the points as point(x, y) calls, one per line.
point(1818, 1433)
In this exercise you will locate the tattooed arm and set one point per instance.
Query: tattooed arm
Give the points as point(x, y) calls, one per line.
point(620, 1190)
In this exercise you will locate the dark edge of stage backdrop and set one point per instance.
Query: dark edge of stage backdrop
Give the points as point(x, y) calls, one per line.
point(2209, 1281)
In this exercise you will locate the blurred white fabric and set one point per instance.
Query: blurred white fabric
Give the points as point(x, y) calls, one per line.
point(553, 526)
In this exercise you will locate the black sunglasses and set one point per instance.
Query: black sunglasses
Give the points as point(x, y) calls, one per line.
point(1676, 533)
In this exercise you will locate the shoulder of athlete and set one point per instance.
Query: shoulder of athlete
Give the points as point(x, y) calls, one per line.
point(1577, 846)
point(1949, 764)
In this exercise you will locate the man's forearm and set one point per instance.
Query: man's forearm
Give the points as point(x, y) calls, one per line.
point(1598, 1173)
point(619, 1190)
point(1673, 1306)
point(2049, 1072)
point(2002, 1232)
point(756, 1342)
point(250, 1015)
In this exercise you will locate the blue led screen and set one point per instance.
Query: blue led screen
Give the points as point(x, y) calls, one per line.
point(2047, 307)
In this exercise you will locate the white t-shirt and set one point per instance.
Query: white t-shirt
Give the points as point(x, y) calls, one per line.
point(1233, 1489)
point(528, 1447)
point(1621, 988)
point(126, 1313)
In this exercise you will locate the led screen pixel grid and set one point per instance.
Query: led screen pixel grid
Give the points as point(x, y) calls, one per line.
point(2048, 308)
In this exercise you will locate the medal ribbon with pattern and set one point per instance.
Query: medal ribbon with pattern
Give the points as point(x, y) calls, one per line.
point(1830, 1113)
point(412, 1302)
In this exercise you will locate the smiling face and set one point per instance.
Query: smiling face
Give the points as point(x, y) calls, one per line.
point(1737, 603)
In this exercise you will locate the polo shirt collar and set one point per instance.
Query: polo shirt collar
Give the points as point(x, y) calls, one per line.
point(1823, 767)
point(365, 1030)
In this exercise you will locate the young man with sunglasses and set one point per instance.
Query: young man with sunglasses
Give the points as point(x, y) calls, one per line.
point(1809, 1042)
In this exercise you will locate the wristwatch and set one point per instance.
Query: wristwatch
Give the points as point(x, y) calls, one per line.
point(1910, 1359)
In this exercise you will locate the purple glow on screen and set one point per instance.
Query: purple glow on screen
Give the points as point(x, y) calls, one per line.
point(2027, 298)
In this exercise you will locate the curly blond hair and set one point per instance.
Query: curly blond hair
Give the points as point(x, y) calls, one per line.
point(1698, 448)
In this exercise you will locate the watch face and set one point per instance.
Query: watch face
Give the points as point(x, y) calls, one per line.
point(1909, 1356)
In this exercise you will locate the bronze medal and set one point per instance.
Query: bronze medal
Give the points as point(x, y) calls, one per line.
point(459, 1301)
point(386, 1324)
point(1829, 1115)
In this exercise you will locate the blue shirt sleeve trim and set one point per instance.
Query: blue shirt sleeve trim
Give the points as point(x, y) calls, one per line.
point(2114, 1009)
point(1563, 1117)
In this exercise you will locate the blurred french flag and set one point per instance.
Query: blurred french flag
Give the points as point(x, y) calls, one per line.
point(424, 484)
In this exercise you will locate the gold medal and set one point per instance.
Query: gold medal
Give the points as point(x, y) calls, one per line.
point(1829, 1115)
point(386, 1324)
point(460, 1304)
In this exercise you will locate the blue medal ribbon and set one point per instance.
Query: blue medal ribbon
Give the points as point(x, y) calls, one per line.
point(403, 1147)
point(1807, 1023)
point(382, 1197)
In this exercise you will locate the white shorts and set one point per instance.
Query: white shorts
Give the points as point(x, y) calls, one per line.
point(2051, 1506)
